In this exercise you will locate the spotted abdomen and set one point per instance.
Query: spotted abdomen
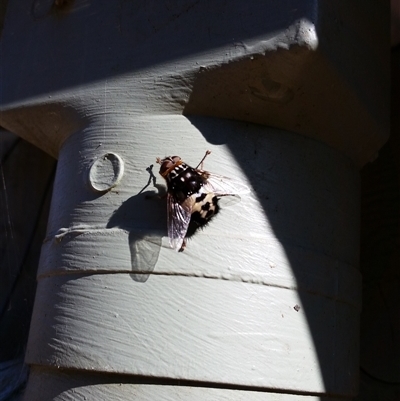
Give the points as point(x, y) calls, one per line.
point(204, 208)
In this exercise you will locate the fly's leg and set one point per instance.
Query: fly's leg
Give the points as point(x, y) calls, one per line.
point(202, 160)
point(161, 190)
point(183, 245)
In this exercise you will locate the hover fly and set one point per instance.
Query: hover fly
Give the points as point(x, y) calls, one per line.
point(192, 197)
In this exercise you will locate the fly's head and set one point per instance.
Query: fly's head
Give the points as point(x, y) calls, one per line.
point(168, 164)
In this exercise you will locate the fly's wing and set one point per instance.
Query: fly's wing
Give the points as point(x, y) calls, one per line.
point(178, 220)
point(220, 185)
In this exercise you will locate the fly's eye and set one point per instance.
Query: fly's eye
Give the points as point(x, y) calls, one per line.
point(168, 164)
point(165, 166)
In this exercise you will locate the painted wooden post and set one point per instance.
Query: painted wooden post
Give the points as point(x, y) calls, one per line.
point(265, 301)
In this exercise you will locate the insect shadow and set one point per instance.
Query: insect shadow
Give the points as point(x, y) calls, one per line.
point(144, 219)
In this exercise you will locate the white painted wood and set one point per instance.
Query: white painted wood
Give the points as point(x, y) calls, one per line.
point(70, 386)
point(266, 261)
point(266, 296)
point(188, 328)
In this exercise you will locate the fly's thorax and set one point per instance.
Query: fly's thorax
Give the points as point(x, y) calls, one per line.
point(184, 181)
point(177, 171)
